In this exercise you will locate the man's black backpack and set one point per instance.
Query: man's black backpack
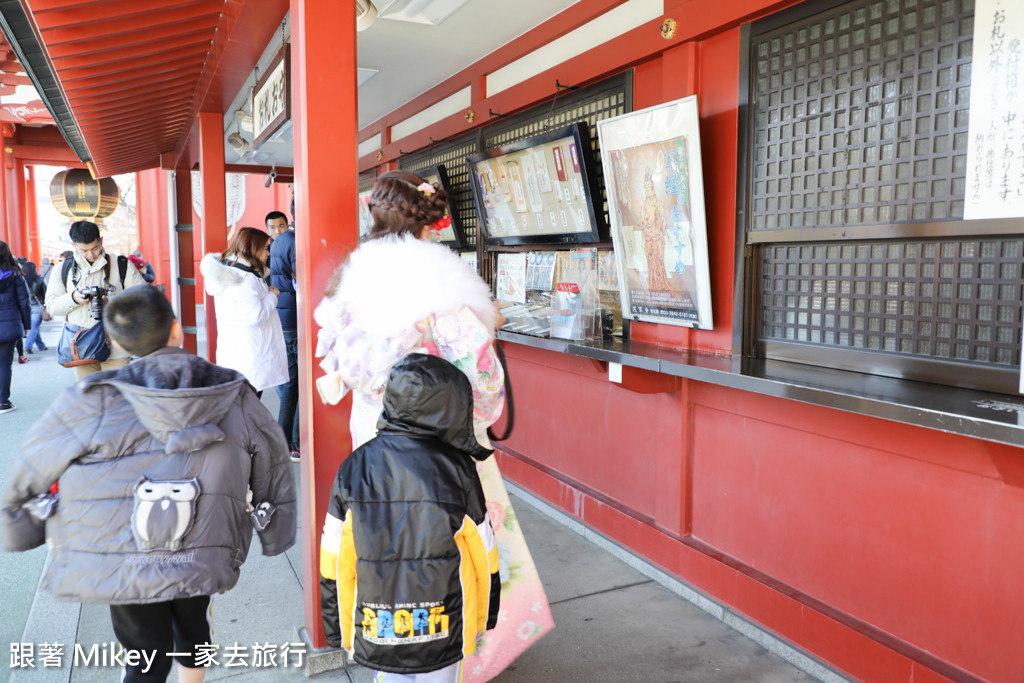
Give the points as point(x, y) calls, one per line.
point(122, 270)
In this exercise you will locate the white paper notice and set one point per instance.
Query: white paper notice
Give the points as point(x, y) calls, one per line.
point(511, 284)
point(995, 147)
point(1020, 389)
point(470, 258)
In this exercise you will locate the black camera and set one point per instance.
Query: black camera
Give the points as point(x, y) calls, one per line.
point(97, 297)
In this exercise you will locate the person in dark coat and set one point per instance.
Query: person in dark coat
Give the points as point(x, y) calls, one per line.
point(44, 269)
point(36, 297)
point(144, 266)
point(15, 319)
point(282, 276)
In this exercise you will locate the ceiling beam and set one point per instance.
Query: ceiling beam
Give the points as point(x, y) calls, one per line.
point(44, 153)
point(19, 34)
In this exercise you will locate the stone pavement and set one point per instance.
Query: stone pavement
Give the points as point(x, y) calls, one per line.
point(602, 598)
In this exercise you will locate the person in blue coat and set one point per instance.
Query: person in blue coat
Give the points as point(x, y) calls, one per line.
point(15, 319)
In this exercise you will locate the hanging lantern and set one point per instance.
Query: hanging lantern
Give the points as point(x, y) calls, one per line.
point(79, 196)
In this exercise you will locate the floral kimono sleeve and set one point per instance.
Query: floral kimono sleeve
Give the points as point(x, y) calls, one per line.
point(354, 359)
point(460, 338)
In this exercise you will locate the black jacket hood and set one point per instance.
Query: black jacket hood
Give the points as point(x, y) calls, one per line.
point(428, 396)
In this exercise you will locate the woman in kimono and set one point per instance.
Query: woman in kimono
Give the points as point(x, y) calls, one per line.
point(398, 293)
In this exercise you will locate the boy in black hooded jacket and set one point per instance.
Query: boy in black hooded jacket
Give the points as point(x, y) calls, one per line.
point(408, 559)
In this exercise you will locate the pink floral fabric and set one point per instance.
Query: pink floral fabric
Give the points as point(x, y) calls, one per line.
point(356, 361)
point(525, 614)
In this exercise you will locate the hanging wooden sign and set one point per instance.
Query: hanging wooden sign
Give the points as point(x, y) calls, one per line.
point(272, 98)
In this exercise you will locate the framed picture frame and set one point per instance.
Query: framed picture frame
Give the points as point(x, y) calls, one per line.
point(453, 236)
point(652, 173)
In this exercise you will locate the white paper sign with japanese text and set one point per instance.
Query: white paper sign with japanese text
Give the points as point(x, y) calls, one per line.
point(995, 148)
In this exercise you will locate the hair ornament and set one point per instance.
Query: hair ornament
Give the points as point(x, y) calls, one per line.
point(426, 188)
point(442, 223)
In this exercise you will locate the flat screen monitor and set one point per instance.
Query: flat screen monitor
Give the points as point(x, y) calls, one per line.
point(538, 191)
point(453, 235)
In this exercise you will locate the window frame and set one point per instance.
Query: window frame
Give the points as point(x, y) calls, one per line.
point(748, 338)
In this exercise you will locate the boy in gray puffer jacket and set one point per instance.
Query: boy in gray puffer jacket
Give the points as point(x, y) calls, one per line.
point(154, 462)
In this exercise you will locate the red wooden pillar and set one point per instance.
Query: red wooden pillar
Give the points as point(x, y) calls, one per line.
point(19, 225)
point(215, 211)
point(5, 211)
point(32, 219)
point(154, 233)
point(326, 126)
point(186, 265)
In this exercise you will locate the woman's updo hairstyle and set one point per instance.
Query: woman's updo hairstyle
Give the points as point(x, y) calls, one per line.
point(400, 208)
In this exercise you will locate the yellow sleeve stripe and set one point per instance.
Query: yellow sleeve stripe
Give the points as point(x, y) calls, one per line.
point(328, 564)
point(346, 573)
point(492, 561)
point(469, 557)
point(479, 562)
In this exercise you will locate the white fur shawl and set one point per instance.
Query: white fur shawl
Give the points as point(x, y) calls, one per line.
point(388, 285)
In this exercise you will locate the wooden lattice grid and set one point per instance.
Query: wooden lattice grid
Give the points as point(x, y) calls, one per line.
point(860, 115)
point(956, 299)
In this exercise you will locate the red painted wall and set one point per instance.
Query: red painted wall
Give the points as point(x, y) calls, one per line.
point(889, 551)
point(908, 529)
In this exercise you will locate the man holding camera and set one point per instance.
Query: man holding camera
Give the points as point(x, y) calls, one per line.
point(78, 288)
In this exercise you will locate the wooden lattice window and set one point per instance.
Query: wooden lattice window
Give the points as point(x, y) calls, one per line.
point(857, 146)
point(366, 180)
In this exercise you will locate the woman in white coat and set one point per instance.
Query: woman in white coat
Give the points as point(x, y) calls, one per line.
point(249, 335)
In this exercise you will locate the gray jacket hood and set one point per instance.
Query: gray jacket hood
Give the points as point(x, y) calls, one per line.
point(194, 396)
point(428, 396)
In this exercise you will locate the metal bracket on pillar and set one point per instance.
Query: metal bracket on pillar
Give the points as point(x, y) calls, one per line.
point(190, 329)
point(184, 227)
point(187, 281)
